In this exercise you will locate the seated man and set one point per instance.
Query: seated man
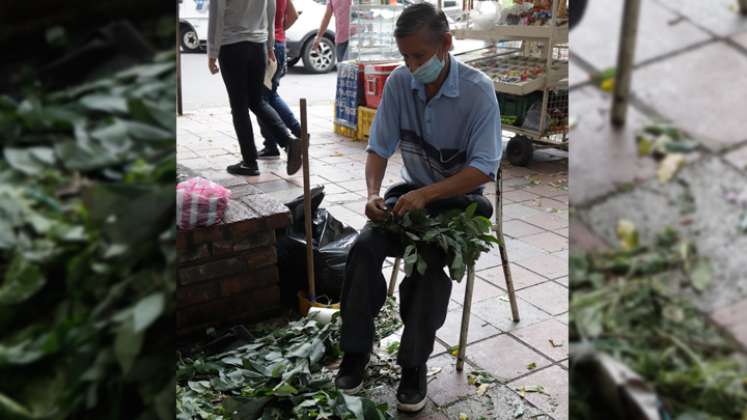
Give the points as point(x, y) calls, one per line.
point(444, 117)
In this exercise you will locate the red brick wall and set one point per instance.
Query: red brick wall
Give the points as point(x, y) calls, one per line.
point(227, 273)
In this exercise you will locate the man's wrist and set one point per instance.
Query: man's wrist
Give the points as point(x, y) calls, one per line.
point(430, 192)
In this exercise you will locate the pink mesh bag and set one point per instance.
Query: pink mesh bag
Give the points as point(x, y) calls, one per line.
point(200, 202)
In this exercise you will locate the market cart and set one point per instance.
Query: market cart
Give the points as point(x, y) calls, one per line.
point(530, 79)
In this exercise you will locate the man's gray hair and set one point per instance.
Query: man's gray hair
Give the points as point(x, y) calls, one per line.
point(422, 16)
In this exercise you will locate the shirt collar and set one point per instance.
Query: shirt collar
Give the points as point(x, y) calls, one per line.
point(450, 87)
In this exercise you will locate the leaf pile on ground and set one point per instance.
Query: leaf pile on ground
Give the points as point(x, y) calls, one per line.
point(624, 304)
point(279, 375)
point(87, 248)
point(460, 234)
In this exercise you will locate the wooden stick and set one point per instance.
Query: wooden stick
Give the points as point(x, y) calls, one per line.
point(307, 204)
point(179, 109)
point(625, 61)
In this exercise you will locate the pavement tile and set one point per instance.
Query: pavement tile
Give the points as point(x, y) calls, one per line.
point(498, 403)
point(741, 39)
point(563, 281)
point(545, 190)
point(358, 206)
point(520, 276)
point(716, 64)
point(285, 196)
point(538, 336)
point(518, 195)
point(498, 313)
point(487, 260)
point(346, 197)
point(262, 178)
point(504, 357)
point(547, 241)
point(596, 37)
point(519, 229)
point(549, 221)
point(546, 265)
point(354, 186)
point(347, 216)
point(732, 318)
point(274, 186)
point(600, 149)
point(481, 290)
point(562, 232)
point(738, 157)
point(550, 297)
point(576, 75)
point(448, 385)
point(517, 249)
point(478, 329)
point(554, 380)
point(719, 16)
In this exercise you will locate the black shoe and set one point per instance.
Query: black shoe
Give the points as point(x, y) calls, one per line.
point(242, 168)
point(295, 159)
point(268, 153)
point(350, 376)
point(413, 389)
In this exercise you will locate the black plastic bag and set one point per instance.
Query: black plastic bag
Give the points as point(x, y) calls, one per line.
point(331, 242)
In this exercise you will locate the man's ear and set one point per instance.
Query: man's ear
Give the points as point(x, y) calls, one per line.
point(448, 43)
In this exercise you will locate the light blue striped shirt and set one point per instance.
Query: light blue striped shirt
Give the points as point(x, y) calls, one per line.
point(460, 126)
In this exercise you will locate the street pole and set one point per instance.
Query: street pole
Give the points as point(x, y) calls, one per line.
point(179, 109)
point(743, 7)
point(625, 61)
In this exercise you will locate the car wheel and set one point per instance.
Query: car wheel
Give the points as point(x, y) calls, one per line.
point(321, 60)
point(189, 41)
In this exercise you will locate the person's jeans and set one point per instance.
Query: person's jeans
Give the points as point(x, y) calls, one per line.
point(243, 70)
point(277, 103)
point(342, 51)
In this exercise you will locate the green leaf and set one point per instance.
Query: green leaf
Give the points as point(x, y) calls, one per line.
point(147, 310)
point(106, 103)
point(127, 345)
point(22, 280)
point(422, 266)
point(701, 276)
point(11, 410)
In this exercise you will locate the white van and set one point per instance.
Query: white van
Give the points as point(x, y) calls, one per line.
point(193, 25)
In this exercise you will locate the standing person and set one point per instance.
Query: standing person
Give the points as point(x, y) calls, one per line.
point(239, 34)
point(341, 10)
point(443, 115)
point(285, 16)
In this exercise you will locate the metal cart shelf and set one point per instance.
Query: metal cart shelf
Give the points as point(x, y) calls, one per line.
point(549, 43)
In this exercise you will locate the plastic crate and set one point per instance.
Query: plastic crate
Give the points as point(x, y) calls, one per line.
point(345, 131)
point(514, 108)
point(365, 121)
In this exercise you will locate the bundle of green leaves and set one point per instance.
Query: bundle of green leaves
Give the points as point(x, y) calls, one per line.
point(279, 375)
point(87, 248)
point(460, 234)
point(624, 304)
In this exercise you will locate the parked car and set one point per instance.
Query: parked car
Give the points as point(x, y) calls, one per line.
point(193, 25)
point(300, 37)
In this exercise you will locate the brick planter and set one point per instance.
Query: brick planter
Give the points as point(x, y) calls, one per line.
point(227, 273)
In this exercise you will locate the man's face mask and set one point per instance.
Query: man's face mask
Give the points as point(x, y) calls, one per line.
point(428, 72)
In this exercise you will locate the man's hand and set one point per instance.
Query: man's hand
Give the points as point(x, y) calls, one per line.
point(212, 66)
point(376, 209)
point(315, 45)
point(271, 55)
point(416, 199)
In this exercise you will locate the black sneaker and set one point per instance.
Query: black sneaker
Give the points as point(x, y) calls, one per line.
point(243, 168)
point(413, 389)
point(268, 153)
point(295, 158)
point(350, 376)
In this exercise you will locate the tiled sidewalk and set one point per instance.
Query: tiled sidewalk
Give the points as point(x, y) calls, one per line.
point(536, 225)
point(691, 62)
